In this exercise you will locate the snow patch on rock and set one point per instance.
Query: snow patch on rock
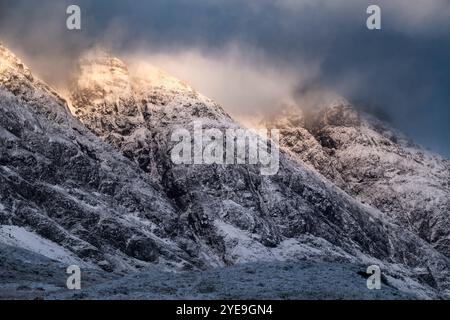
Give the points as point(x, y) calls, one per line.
point(20, 237)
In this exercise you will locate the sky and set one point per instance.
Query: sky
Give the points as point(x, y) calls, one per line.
point(252, 55)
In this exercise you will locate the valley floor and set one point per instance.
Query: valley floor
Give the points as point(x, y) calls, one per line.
point(25, 275)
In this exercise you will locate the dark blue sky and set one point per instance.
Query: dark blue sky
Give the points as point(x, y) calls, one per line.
point(403, 70)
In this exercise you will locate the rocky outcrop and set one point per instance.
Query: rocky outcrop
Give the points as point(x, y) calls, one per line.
point(375, 164)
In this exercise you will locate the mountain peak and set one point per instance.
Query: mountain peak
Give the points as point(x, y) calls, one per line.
point(117, 79)
point(10, 63)
point(103, 77)
point(17, 78)
point(314, 115)
point(337, 114)
point(147, 76)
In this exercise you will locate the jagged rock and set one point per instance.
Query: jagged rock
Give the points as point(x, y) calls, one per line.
point(377, 165)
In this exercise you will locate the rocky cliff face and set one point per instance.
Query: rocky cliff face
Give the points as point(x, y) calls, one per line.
point(63, 183)
point(375, 164)
point(112, 196)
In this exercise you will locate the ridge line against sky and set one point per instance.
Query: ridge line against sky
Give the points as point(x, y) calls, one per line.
point(258, 52)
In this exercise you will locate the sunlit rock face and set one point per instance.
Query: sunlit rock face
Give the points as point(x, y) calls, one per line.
point(123, 105)
point(100, 183)
point(62, 183)
point(103, 78)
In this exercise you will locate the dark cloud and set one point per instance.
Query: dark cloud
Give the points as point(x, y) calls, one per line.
point(403, 69)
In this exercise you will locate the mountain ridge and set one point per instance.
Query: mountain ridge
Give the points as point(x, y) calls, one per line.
point(123, 205)
point(377, 164)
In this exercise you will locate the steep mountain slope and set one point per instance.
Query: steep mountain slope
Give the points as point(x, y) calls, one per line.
point(61, 182)
point(374, 163)
point(236, 214)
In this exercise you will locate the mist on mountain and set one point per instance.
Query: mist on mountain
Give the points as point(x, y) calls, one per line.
point(323, 42)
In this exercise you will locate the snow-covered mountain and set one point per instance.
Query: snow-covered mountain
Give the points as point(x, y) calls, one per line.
point(103, 187)
point(61, 182)
point(374, 163)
